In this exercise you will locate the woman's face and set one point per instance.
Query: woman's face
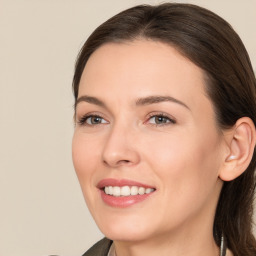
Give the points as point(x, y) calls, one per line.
point(145, 128)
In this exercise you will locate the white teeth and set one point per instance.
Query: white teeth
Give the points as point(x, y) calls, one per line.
point(134, 190)
point(149, 190)
point(110, 190)
point(141, 191)
point(116, 191)
point(127, 191)
point(106, 190)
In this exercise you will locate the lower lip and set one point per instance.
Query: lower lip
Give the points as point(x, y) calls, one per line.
point(123, 201)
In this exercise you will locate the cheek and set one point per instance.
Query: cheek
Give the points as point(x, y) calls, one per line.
point(186, 164)
point(188, 176)
point(86, 158)
point(85, 154)
point(185, 150)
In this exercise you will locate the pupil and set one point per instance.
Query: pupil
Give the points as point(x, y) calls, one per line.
point(160, 119)
point(96, 120)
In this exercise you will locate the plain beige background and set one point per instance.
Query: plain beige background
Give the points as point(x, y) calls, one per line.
point(42, 211)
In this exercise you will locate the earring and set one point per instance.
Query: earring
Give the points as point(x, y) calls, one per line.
point(223, 247)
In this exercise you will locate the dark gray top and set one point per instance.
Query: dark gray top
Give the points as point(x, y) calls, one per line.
point(101, 248)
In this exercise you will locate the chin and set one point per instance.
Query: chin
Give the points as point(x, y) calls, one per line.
point(124, 235)
point(124, 228)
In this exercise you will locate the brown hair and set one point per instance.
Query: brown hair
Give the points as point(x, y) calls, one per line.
point(211, 43)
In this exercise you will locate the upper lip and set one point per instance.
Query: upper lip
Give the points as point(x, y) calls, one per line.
point(120, 183)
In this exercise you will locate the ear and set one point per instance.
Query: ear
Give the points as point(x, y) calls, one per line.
point(240, 142)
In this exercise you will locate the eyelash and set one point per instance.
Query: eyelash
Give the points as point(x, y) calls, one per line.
point(83, 119)
point(170, 120)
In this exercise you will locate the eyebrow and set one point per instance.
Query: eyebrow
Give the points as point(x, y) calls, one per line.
point(157, 99)
point(90, 99)
point(139, 102)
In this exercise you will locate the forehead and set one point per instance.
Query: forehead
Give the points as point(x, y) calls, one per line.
point(138, 68)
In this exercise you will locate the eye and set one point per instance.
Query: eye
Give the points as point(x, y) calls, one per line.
point(160, 119)
point(91, 120)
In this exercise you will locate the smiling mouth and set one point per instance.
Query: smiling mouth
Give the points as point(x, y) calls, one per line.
point(124, 191)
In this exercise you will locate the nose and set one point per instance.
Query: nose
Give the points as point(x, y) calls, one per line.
point(120, 148)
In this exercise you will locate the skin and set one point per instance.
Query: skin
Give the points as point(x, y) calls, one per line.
point(182, 160)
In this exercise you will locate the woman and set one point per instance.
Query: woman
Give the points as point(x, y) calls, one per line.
point(165, 133)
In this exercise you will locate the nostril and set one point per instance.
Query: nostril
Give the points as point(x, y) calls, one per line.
point(117, 163)
point(120, 162)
